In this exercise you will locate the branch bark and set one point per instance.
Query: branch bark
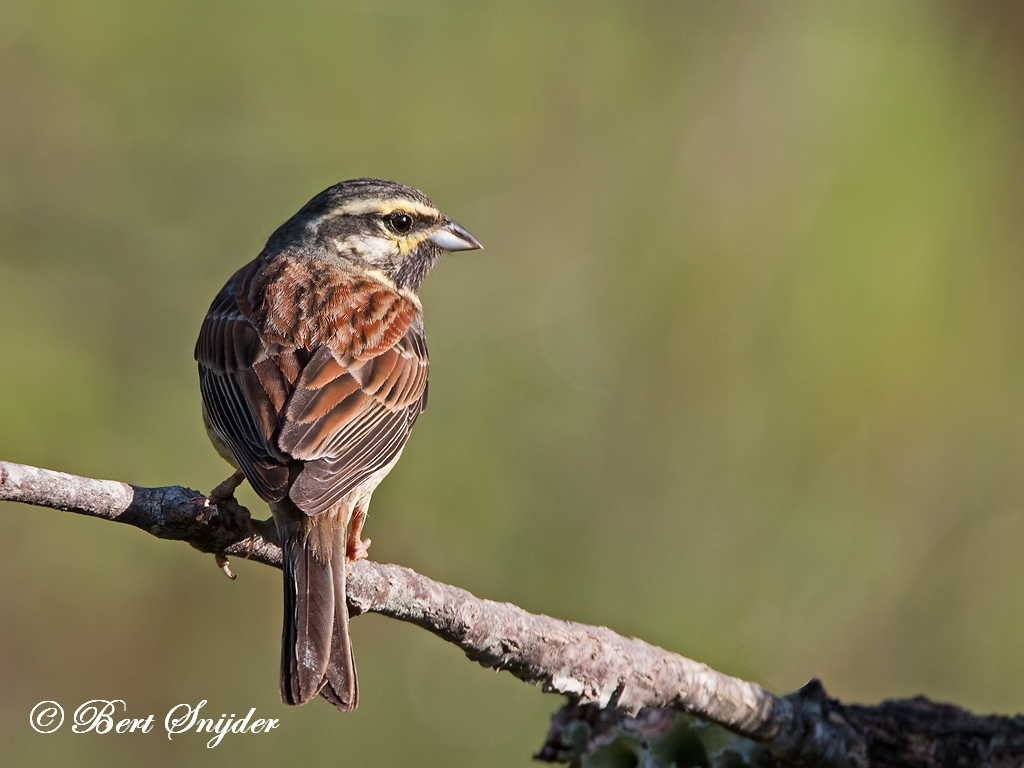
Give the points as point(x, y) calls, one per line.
point(609, 679)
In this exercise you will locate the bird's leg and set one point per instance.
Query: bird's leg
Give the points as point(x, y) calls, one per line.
point(236, 516)
point(355, 547)
point(223, 495)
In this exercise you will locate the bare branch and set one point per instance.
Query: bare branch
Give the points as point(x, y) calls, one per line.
point(595, 667)
point(173, 512)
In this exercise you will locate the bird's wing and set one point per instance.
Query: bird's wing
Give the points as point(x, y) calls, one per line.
point(341, 403)
point(239, 410)
point(348, 419)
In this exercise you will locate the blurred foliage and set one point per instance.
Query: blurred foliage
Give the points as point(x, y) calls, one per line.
point(739, 371)
point(584, 737)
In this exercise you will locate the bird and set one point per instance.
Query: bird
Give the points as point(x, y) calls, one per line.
point(312, 371)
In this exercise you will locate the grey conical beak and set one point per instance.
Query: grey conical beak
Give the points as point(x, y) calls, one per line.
point(452, 237)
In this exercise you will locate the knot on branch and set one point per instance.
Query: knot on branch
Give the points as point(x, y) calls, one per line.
point(182, 514)
point(586, 734)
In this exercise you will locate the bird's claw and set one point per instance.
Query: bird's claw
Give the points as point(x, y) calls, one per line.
point(224, 565)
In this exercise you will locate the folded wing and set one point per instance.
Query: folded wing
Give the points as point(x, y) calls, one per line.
point(312, 418)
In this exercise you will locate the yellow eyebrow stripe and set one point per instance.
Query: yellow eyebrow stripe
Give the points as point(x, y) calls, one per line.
point(385, 207)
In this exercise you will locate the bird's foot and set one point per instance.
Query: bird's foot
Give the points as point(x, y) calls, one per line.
point(222, 501)
point(356, 549)
point(355, 545)
point(223, 498)
point(224, 494)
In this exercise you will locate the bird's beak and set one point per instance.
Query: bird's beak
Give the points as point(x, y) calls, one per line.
point(452, 237)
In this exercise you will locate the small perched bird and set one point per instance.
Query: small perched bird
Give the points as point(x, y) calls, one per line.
point(313, 369)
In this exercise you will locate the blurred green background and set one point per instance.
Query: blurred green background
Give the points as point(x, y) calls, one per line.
point(740, 371)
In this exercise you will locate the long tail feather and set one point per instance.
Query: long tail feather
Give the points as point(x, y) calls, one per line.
point(309, 617)
point(342, 686)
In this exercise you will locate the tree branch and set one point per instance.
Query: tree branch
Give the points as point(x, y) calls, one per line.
point(608, 678)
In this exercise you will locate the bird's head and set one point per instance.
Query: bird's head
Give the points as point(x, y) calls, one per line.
point(374, 225)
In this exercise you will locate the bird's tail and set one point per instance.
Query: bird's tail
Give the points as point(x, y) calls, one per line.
point(341, 686)
point(316, 652)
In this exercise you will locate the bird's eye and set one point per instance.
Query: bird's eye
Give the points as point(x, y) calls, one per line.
point(400, 221)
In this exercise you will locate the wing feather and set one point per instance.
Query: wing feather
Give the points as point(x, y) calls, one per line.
point(341, 413)
point(363, 433)
point(233, 420)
